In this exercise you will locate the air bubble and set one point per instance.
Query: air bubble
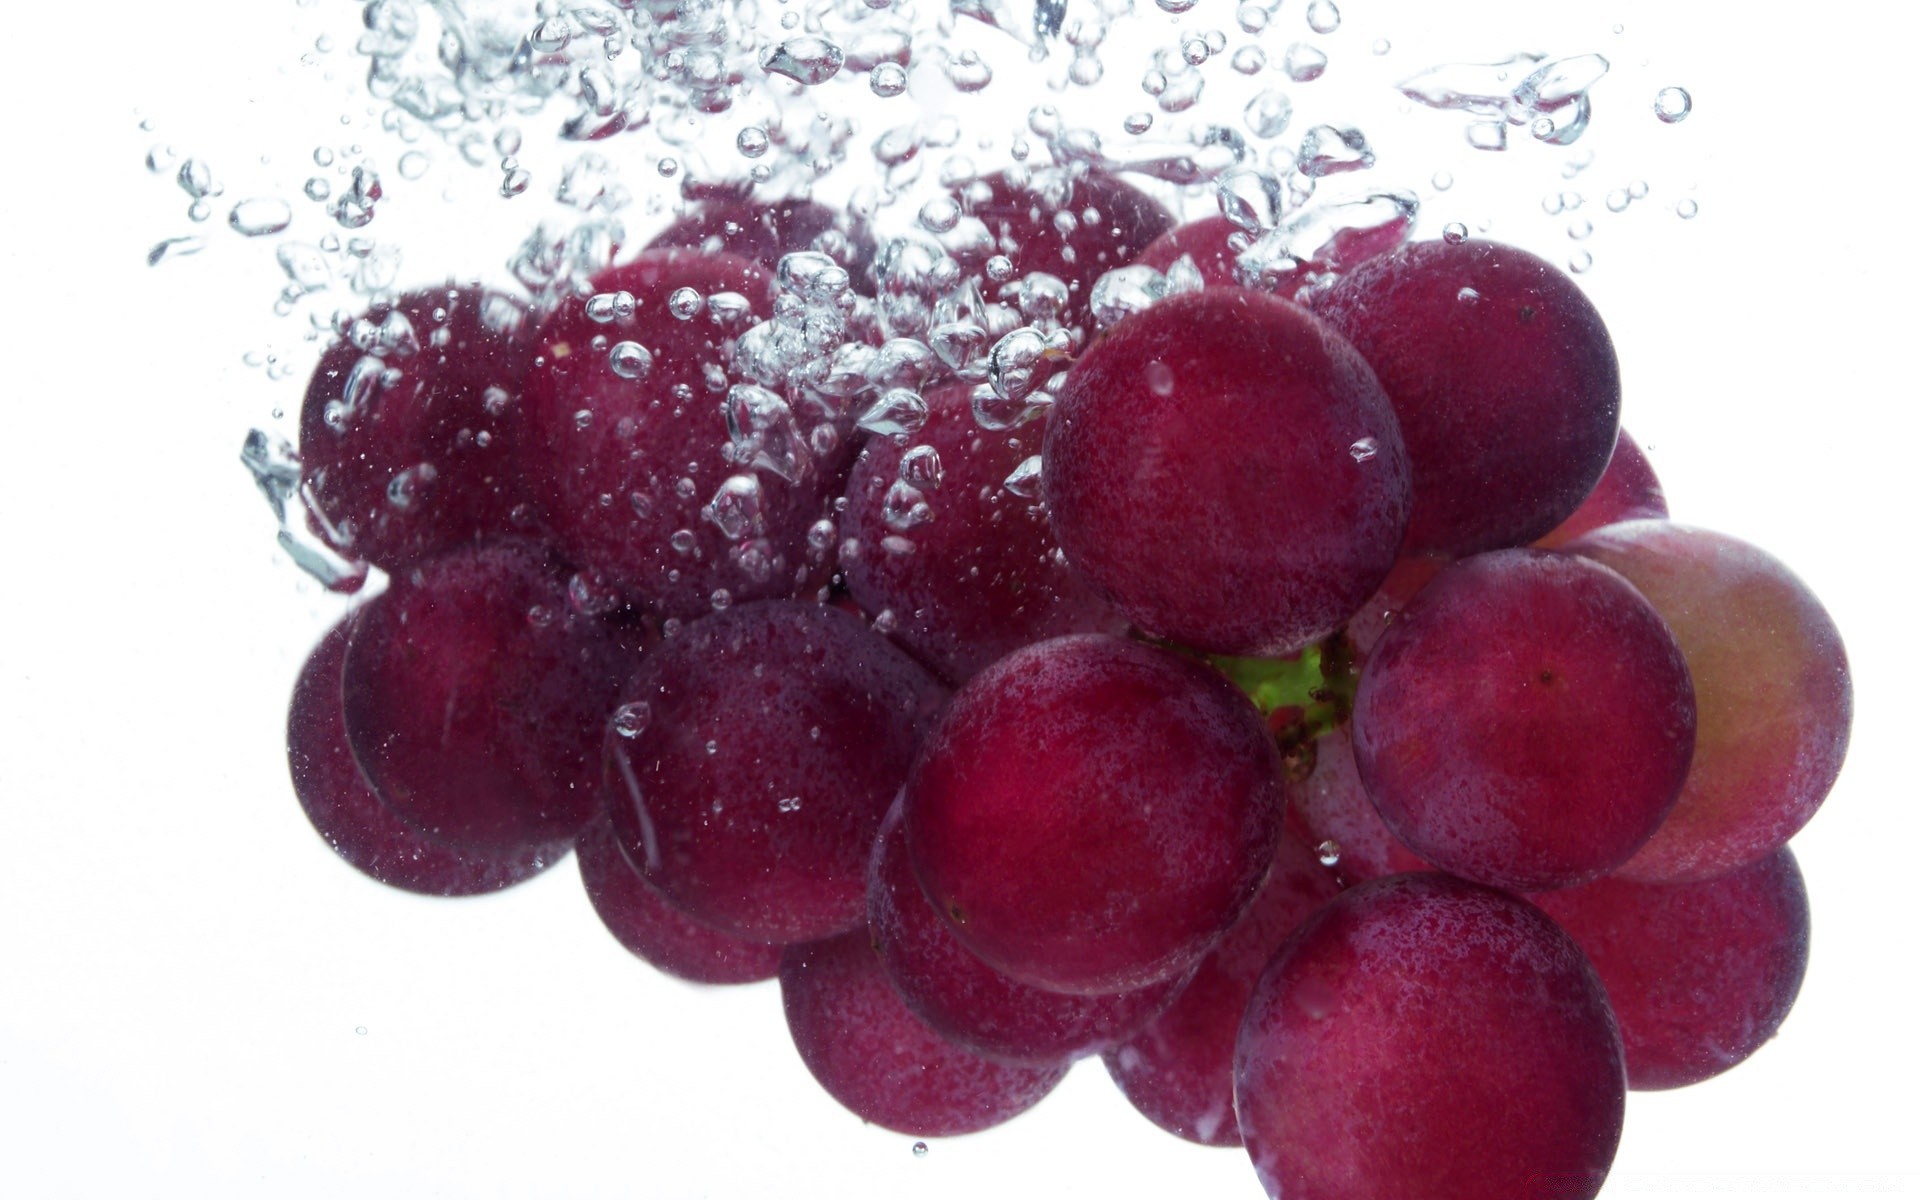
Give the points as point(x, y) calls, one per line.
point(630, 360)
point(1364, 450)
point(1304, 63)
point(1024, 481)
point(259, 218)
point(630, 720)
point(1249, 60)
point(414, 164)
point(685, 303)
point(1137, 122)
point(1454, 233)
point(1686, 209)
point(752, 142)
point(1672, 105)
point(1328, 853)
point(1269, 113)
point(807, 59)
point(1323, 16)
point(1580, 263)
point(968, 72)
point(1442, 180)
point(919, 1149)
point(888, 79)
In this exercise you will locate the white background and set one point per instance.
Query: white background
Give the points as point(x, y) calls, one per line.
point(197, 999)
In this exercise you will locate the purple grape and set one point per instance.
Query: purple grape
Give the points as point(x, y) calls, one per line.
point(763, 745)
point(476, 699)
point(641, 919)
point(629, 453)
point(1178, 1071)
point(1700, 974)
point(1504, 380)
point(353, 819)
point(1226, 468)
point(1774, 689)
point(981, 578)
point(1091, 814)
point(1527, 722)
point(1425, 1036)
point(873, 1055)
point(969, 1002)
point(410, 429)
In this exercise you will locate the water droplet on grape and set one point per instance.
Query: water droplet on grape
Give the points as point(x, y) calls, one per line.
point(1328, 852)
point(1364, 450)
point(630, 720)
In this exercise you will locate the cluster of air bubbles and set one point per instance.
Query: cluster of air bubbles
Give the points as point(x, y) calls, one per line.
point(1548, 97)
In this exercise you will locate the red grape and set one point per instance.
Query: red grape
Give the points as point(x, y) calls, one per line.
point(1700, 974)
point(873, 1055)
point(1425, 1036)
point(627, 462)
point(1091, 814)
point(1225, 466)
point(969, 1002)
point(476, 700)
point(411, 426)
point(761, 748)
point(353, 819)
point(982, 577)
point(1527, 721)
point(640, 918)
point(1771, 678)
point(1504, 380)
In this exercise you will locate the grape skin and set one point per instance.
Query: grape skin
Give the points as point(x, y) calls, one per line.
point(1331, 805)
point(1700, 975)
point(475, 700)
point(1527, 722)
point(345, 810)
point(425, 424)
point(641, 919)
point(1091, 814)
point(1504, 380)
point(776, 735)
point(1425, 1036)
point(1178, 1071)
point(969, 1002)
point(1628, 491)
point(1226, 468)
point(873, 1055)
point(982, 578)
point(1774, 688)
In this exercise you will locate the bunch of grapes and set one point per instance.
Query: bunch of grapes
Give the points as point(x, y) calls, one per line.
point(1286, 686)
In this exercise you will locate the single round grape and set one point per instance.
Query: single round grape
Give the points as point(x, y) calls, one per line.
point(1527, 722)
point(1178, 1071)
point(982, 577)
point(353, 819)
point(1773, 685)
point(1627, 491)
point(1227, 469)
point(626, 467)
point(411, 426)
point(1091, 814)
point(774, 737)
point(967, 1001)
point(641, 919)
point(1504, 380)
point(476, 699)
point(1425, 1036)
point(873, 1055)
point(1700, 974)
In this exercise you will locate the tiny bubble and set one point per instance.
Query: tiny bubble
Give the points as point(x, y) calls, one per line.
point(919, 1149)
point(1672, 105)
point(1454, 233)
point(1686, 209)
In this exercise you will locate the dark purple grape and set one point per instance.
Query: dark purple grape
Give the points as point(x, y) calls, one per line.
point(629, 449)
point(886, 1065)
point(476, 700)
point(1178, 1071)
point(969, 1002)
point(761, 747)
point(641, 919)
point(1628, 491)
point(1773, 685)
point(1527, 722)
point(1504, 380)
point(1424, 1036)
point(410, 430)
point(1091, 814)
point(1226, 468)
point(982, 577)
point(354, 820)
point(1700, 974)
